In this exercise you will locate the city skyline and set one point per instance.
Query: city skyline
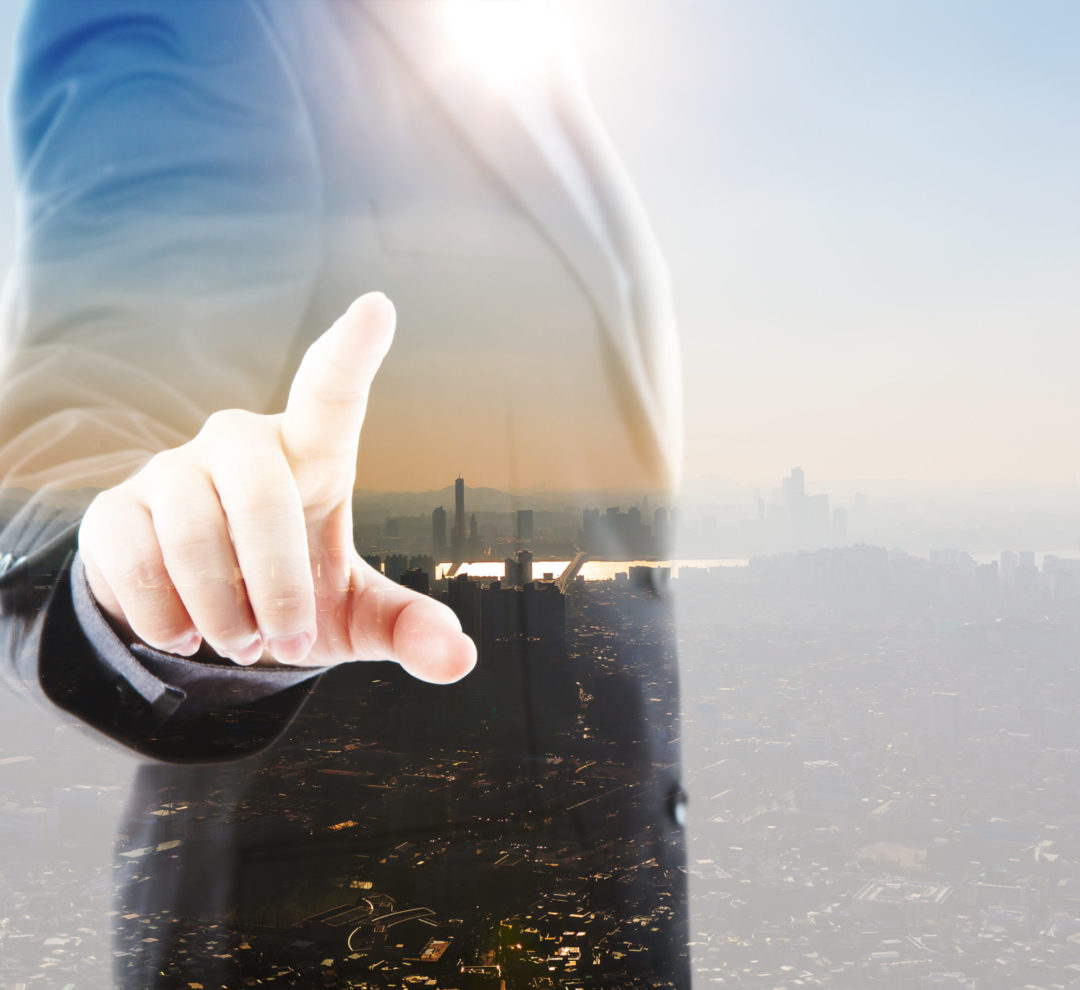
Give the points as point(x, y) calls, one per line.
point(876, 750)
point(722, 518)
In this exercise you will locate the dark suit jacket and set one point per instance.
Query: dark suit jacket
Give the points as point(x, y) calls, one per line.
point(203, 187)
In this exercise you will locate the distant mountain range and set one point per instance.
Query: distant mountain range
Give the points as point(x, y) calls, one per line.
point(381, 504)
point(485, 500)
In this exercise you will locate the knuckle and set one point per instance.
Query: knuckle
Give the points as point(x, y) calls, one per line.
point(105, 533)
point(193, 546)
point(228, 423)
point(262, 509)
point(105, 506)
point(332, 387)
point(150, 603)
point(103, 537)
point(222, 419)
point(140, 577)
point(161, 470)
point(284, 603)
point(89, 525)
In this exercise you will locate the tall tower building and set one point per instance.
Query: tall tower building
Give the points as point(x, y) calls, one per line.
point(438, 533)
point(798, 482)
point(525, 525)
point(458, 535)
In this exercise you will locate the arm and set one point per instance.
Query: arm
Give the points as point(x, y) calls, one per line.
point(239, 536)
point(167, 245)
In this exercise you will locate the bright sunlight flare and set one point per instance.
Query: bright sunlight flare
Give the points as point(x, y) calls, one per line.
point(508, 41)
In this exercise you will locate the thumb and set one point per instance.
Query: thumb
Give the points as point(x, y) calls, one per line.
point(320, 428)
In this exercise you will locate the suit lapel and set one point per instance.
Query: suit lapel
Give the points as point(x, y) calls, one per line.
point(488, 124)
point(652, 359)
point(502, 143)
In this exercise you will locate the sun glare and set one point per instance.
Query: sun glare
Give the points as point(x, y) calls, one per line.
point(507, 41)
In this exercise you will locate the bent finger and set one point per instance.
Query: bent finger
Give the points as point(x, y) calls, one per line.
point(118, 542)
point(265, 520)
point(193, 534)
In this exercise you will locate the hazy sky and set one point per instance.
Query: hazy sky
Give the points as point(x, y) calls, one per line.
point(871, 214)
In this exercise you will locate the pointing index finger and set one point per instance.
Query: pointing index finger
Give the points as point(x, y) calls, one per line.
point(320, 428)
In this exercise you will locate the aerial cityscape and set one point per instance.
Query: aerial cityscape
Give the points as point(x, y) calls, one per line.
point(879, 750)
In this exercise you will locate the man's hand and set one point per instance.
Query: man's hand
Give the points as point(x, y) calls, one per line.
point(243, 536)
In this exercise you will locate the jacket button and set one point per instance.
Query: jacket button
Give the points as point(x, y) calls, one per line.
point(677, 801)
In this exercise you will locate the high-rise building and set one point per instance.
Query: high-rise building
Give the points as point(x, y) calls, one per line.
point(525, 525)
point(794, 485)
point(525, 566)
point(660, 528)
point(518, 571)
point(423, 562)
point(1010, 561)
point(395, 565)
point(458, 536)
point(613, 529)
point(416, 579)
point(463, 597)
point(438, 532)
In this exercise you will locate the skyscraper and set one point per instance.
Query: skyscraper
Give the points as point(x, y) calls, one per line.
point(438, 532)
point(458, 535)
point(798, 480)
point(525, 525)
point(524, 566)
point(395, 565)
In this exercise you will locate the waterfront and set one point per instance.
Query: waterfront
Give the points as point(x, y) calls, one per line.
point(591, 570)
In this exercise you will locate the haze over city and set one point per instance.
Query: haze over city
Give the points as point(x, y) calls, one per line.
point(866, 667)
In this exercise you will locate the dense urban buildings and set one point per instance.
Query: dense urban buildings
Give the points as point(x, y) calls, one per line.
point(881, 756)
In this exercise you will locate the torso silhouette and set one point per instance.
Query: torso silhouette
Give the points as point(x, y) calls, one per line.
point(244, 170)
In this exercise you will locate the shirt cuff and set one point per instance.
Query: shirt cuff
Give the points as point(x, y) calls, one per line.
point(165, 680)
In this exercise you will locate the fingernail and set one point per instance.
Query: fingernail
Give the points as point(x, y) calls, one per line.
point(250, 653)
point(187, 646)
point(291, 649)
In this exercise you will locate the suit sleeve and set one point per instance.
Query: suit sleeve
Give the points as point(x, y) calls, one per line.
point(167, 245)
